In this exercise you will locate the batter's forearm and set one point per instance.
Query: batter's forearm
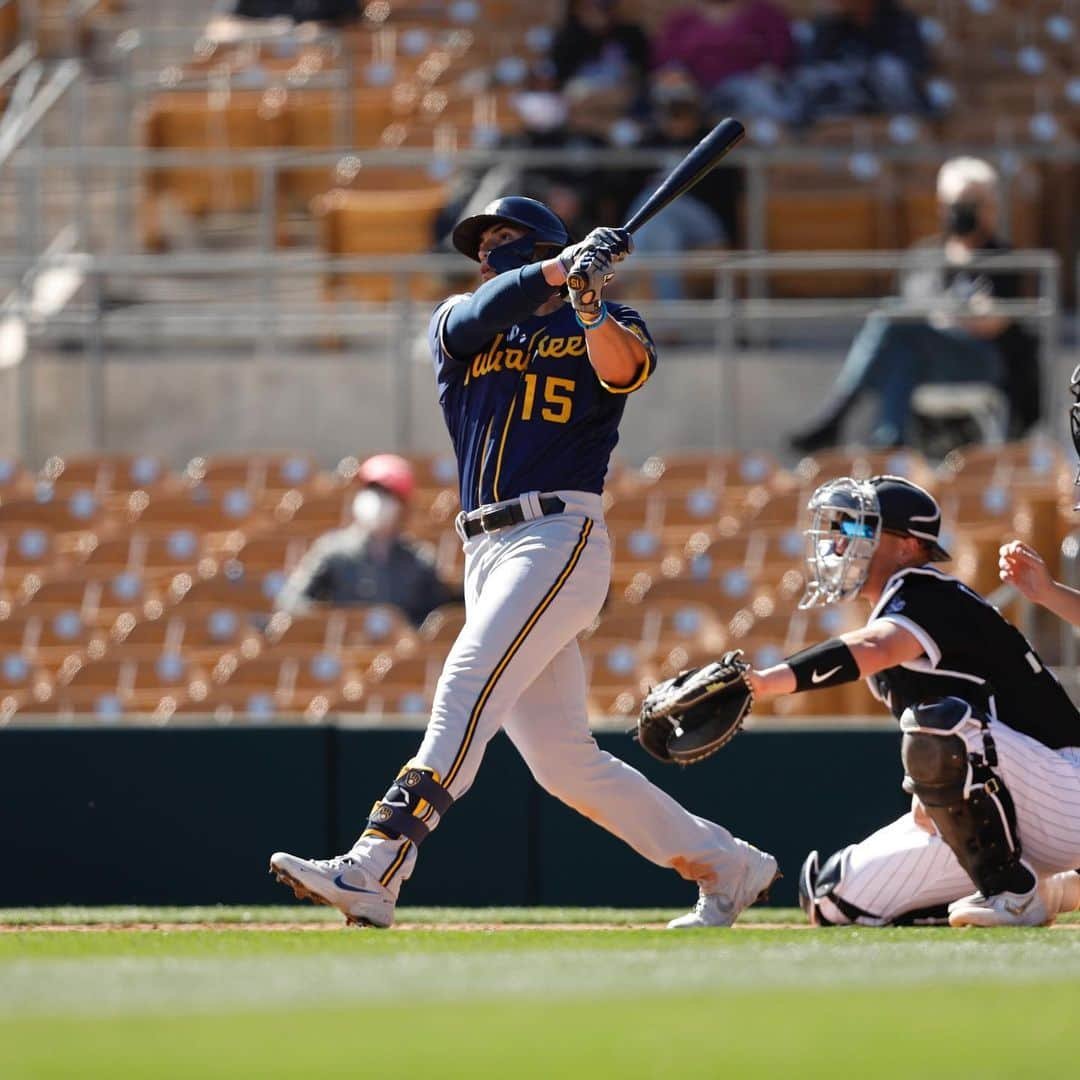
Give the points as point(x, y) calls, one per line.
point(497, 304)
point(616, 354)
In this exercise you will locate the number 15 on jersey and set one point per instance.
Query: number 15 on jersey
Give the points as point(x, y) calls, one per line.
point(555, 393)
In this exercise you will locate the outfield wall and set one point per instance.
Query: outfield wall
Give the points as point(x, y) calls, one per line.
point(191, 816)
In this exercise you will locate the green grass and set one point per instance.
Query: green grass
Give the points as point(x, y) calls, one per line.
point(535, 1002)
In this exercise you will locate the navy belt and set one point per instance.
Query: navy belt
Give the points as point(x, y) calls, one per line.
point(501, 517)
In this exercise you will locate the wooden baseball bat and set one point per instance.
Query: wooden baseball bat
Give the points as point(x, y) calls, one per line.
point(700, 160)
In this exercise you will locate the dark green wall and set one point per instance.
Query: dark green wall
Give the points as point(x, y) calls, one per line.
point(190, 816)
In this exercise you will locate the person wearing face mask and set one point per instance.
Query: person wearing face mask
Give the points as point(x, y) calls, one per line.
point(966, 340)
point(368, 561)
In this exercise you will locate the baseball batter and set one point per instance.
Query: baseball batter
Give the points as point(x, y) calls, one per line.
point(532, 390)
point(990, 740)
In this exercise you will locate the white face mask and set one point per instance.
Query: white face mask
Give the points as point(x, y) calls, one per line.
point(376, 511)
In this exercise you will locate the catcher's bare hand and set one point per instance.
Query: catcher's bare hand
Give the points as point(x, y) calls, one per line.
point(1022, 566)
point(690, 717)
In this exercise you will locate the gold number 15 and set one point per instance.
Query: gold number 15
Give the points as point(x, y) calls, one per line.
point(563, 403)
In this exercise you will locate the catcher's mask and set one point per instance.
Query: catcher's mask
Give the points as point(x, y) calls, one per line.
point(1074, 419)
point(845, 526)
point(848, 518)
point(546, 232)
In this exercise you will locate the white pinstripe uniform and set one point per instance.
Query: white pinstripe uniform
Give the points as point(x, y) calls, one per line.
point(971, 652)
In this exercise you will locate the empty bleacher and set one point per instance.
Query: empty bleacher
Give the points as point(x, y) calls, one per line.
point(102, 615)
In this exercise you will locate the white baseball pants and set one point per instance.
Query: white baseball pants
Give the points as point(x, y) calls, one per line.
point(905, 867)
point(529, 591)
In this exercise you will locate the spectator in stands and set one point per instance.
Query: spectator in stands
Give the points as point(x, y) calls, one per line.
point(863, 57)
point(369, 562)
point(579, 192)
point(715, 40)
point(599, 56)
point(892, 356)
point(704, 217)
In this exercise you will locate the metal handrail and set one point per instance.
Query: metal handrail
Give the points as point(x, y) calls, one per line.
point(728, 262)
point(750, 156)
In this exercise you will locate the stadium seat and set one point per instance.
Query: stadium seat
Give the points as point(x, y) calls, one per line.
point(16, 480)
point(255, 472)
point(252, 595)
point(443, 625)
point(202, 636)
point(404, 686)
point(200, 508)
point(103, 474)
point(150, 553)
point(97, 600)
point(136, 684)
point(398, 220)
point(200, 120)
point(79, 510)
point(23, 550)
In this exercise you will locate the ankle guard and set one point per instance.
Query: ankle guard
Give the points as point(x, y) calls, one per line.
point(404, 810)
point(949, 761)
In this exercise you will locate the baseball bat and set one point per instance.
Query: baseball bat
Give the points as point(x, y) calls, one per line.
point(700, 160)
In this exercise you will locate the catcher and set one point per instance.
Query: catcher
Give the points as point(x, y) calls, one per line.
point(990, 741)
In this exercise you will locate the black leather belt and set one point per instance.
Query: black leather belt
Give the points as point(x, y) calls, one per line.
point(502, 517)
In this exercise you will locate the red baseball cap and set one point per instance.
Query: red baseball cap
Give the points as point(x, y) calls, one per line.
point(389, 471)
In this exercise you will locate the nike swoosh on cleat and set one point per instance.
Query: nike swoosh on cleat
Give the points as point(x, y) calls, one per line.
point(816, 678)
point(1018, 909)
point(340, 883)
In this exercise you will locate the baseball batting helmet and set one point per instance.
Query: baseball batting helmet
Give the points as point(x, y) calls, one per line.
point(388, 471)
point(544, 225)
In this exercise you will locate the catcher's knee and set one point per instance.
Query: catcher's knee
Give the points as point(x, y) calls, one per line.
point(950, 764)
point(412, 800)
point(818, 892)
point(934, 752)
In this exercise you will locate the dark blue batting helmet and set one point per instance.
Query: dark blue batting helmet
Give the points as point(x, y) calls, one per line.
point(544, 225)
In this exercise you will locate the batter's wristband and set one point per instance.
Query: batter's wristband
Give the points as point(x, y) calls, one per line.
point(596, 322)
point(831, 663)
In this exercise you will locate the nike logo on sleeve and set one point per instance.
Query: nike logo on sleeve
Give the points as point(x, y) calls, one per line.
point(816, 678)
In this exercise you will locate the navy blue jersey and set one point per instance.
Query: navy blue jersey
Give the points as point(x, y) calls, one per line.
point(528, 411)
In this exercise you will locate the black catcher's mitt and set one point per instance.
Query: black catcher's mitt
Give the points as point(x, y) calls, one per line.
point(689, 717)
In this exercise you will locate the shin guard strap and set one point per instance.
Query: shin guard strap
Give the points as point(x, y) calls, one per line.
point(403, 810)
point(396, 822)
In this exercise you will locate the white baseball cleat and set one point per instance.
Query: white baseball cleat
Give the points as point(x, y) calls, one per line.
point(341, 882)
point(723, 908)
point(1002, 909)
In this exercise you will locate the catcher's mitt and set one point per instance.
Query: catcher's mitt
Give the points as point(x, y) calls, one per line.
point(689, 717)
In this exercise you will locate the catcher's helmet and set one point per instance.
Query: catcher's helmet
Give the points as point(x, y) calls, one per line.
point(910, 510)
point(847, 519)
point(544, 225)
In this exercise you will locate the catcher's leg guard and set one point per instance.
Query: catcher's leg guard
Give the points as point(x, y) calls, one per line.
point(949, 760)
point(818, 882)
point(824, 906)
point(405, 809)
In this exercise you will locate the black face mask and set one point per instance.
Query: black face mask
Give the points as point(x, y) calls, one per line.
point(961, 219)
